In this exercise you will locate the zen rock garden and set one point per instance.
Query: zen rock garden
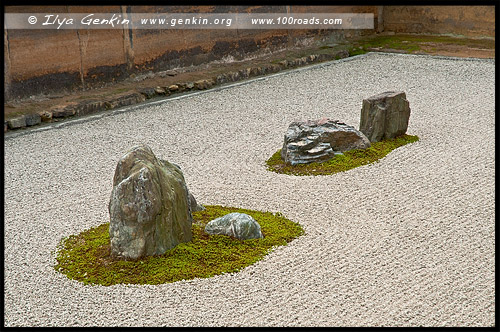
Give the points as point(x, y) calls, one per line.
point(383, 116)
point(159, 233)
point(151, 208)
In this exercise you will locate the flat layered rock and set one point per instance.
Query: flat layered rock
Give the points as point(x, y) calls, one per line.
point(320, 140)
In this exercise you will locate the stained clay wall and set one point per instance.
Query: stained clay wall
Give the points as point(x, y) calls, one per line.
point(48, 61)
point(472, 21)
point(44, 61)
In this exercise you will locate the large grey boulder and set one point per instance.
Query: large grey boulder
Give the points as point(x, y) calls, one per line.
point(149, 206)
point(320, 140)
point(385, 116)
point(193, 204)
point(238, 225)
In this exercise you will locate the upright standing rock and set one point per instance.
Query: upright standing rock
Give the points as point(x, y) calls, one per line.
point(193, 204)
point(385, 116)
point(149, 206)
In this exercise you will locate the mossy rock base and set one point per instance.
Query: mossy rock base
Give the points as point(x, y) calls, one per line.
point(340, 163)
point(86, 257)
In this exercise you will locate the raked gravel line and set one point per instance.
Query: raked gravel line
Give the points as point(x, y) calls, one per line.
point(407, 241)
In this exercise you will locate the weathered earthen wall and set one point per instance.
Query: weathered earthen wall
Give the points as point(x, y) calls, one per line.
point(45, 61)
point(473, 21)
point(48, 61)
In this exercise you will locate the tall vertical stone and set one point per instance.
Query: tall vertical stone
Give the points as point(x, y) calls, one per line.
point(149, 206)
point(385, 116)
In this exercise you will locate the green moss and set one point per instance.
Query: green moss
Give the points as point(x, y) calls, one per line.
point(356, 51)
point(120, 90)
point(276, 61)
point(86, 257)
point(340, 163)
point(412, 43)
point(383, 42)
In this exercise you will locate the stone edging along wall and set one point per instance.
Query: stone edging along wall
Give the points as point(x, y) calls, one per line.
point(93, 106)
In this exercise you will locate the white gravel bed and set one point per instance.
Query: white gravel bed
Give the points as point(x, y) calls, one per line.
point(407, 241)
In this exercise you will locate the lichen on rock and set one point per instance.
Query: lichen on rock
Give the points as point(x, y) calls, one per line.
point(238, 225)
point(149, 206)
point(320, 140)
point(385, 116)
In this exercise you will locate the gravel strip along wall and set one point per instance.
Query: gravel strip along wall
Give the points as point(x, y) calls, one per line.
point(406, 241)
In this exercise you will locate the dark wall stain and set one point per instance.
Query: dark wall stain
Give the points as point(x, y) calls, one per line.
point(55, 82)
point(171, 59)
point(274, 41)
point(96, 76)
point(222, 47)
point(247, 45)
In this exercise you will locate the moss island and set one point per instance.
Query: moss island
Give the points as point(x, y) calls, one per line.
point(340, 163)
point(86, 257)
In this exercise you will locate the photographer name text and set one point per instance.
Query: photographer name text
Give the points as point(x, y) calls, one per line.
point(89, 20)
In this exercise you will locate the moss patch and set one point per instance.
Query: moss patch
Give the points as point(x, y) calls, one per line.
point(340, 163)
point(412, 43)
point(86, 257)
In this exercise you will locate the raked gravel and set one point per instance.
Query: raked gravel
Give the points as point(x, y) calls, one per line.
point(407, 241)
